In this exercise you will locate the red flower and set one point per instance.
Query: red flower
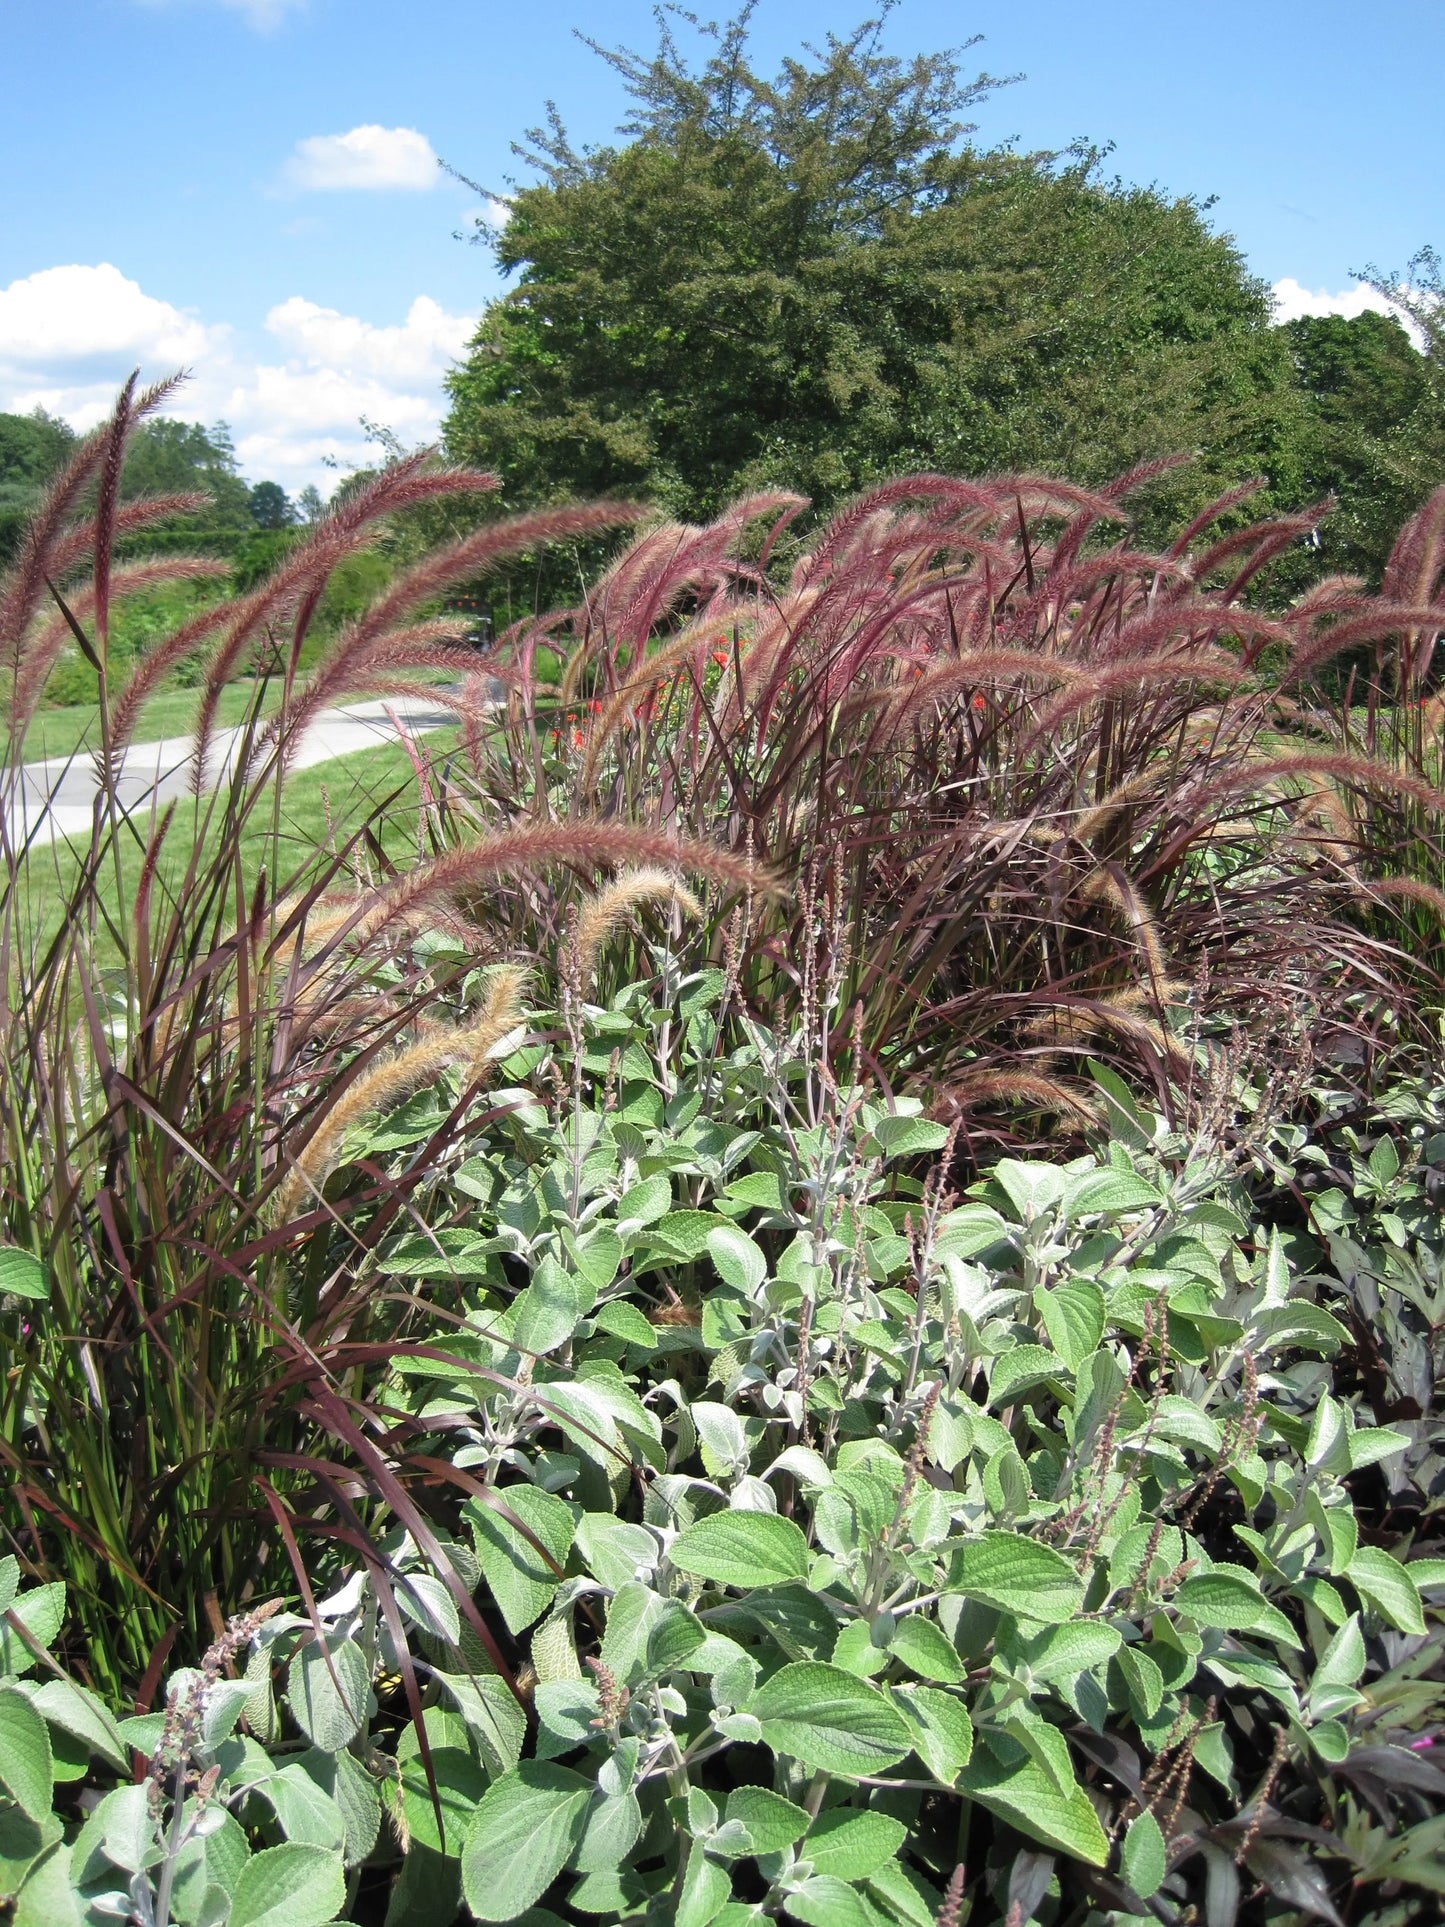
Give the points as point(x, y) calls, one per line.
point(577, 739)
point(720, 657)
point(980, 701)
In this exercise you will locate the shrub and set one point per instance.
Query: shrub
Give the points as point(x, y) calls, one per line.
point(862, 1552)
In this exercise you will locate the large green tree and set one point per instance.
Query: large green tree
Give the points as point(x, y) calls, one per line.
point(32, 447)
point(816, 280)
point(1373, 432)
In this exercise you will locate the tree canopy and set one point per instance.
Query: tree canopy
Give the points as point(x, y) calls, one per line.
point(817, 280)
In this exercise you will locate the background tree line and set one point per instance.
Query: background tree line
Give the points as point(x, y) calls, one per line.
point(818, 280)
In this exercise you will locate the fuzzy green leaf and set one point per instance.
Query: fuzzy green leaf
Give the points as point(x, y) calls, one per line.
point(26, 1769)
point(524, 1831)
point(851, 1846)
point(1018, 1575)
point(1142, 1860)
point(520, 1579)
point(1382, 1582)
point(288, 1886)
point(742, 1549)
point(830, 1720)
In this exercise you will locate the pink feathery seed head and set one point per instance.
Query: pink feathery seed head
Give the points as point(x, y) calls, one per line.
point(1221, 505)
point(474, 553)
point(1148, 675)
point(130, 411)
point(107, 495)
point(78, 539)
point(23, 586)
point(1362, 772)
point(1418, 556)
point(586, 842)
point(1192, 622)
point(1378, 620)
point(1260, 542)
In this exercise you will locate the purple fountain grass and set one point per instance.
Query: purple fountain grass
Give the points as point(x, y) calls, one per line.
point(960, 678)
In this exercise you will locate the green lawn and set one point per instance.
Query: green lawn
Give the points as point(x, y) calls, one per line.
point(61, 732)
point(321, 807)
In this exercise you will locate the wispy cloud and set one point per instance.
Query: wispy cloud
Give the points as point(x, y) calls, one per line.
point(368, 157)
point(263, 15)
point(69, 335)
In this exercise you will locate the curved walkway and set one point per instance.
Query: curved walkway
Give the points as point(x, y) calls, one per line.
point(57, 797)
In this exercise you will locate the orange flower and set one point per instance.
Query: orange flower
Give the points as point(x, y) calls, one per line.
point(577, 739)
point(980, 701)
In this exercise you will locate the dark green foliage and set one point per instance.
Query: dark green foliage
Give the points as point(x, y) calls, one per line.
point(32, 447)
point(271, 507)
point(1373, 432)
point(813, 283)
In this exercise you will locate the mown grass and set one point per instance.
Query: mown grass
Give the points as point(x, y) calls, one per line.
point(61, 732)
point(321, 809)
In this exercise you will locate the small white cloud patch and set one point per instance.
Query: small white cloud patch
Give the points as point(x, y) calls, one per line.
point(1292, 302)
point(370, 158)
point(70, 335)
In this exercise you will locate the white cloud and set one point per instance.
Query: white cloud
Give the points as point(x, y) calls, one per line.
point(1293, 301)
point(426, 341)
point(71, 313)
point(70, 335)
point(368, 157)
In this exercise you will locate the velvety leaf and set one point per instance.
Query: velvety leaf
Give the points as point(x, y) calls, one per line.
point(742, 1549)
point(1382, 1582)
point(829, 1720)
point(460, 1784)
point(26, 1770)
point(520, 1580)
point(610, 1831)
point(22, 1276)
point(1018, 1575)
point(1110, 1193)
point(522, 1834)
point(327, 1688)
point(771, 1821)
point(738, 1260)
point(827, 1902)
point(1026, 1796)
point(851, 1846)
point(925, 1649)
point(942, 1730)
point(1015, 1371)
point(1226, 1597)
point(288, 1886)
point(71, 1707)
point(706, 1888)
point(1065, 1651)
point(1142, 1860)
point(41, 1611)
point(1073, 1316)
point(547, 1312)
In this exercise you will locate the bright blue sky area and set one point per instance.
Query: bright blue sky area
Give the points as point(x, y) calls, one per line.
point(154, 135)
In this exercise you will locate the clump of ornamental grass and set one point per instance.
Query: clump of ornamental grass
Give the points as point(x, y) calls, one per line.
point(202, 1036)
point(1064, 798)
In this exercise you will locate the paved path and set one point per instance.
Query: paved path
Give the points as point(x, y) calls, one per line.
point(57, 797)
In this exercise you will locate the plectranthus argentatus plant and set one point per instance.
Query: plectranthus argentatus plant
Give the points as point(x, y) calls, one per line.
point(852, 1531)
point(850, 1547)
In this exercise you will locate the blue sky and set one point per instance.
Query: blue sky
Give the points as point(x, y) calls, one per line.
point(248, 186)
